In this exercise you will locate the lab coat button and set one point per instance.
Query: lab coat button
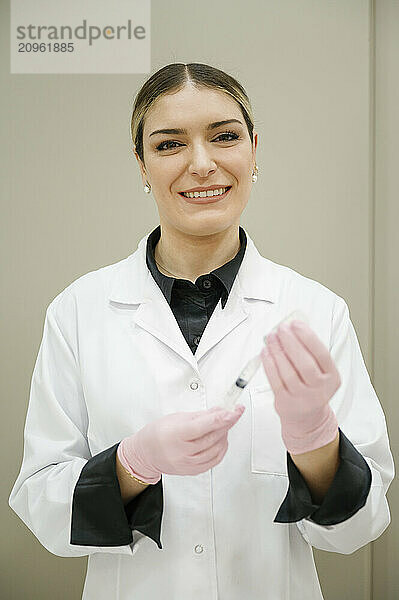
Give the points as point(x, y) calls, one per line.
point(198, 549)
point(194, 385)
point(197, 340)
point(206, 284)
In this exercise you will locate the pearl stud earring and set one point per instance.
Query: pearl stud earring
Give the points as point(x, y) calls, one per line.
point(255, 174)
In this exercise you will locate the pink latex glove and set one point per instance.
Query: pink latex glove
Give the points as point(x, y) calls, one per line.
point(304, 378)
point(182, 443)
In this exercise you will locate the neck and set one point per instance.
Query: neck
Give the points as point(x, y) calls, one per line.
point(188, 256)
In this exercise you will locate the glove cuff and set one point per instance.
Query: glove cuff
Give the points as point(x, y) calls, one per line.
point(319, 435)
point(136, 474)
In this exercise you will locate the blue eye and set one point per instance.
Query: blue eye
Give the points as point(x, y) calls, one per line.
point(167, 144)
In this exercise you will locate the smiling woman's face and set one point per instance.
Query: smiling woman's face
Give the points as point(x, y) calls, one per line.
point(200, 157)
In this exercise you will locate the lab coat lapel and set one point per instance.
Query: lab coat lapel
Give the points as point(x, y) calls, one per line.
point(155, 316)
point(134, 285)
point(255, 280)
point(134, 288)
point(223, 321)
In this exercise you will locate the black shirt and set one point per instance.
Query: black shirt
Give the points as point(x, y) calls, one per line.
point(99, 517)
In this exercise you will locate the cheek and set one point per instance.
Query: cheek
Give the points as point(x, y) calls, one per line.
point(241, 167)
point(165, 169)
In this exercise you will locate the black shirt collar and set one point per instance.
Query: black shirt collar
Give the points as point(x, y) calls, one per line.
point(225, 274)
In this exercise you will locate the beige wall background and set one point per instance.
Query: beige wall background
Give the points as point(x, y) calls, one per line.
point(324, 83)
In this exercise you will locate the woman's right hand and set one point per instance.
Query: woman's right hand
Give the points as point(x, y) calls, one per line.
point(182, 443)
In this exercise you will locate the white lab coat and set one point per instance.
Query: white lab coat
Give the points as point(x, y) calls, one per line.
point(113, 358)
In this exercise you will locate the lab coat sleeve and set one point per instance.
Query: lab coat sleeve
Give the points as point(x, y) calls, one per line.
point(98, 515)
point(362, 420)
point(346, 495)
point(55, 437)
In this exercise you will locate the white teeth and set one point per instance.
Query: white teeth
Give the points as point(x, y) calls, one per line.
point(204, 194)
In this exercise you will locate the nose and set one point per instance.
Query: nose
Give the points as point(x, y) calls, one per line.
point(201, 162)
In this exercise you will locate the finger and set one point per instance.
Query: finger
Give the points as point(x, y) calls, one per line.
point(225, 410)
point(287, 373)
point(200, 413)
point(220, 456)
point(302, 361)
point(314, 345)
point(271, 370)
point(212, 437)
point(213, 409)
point(207, 441)
point(210, 421)
point(213, 456)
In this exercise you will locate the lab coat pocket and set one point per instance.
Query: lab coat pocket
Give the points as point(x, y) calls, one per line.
point(268, 453)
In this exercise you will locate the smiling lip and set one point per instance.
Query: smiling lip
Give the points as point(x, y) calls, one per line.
point(207, 200)
point(205, 189)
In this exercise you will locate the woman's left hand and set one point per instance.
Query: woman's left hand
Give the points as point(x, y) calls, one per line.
point(304, 378)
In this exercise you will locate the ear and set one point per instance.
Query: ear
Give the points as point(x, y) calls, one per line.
point(254, 145)
point(142, 168)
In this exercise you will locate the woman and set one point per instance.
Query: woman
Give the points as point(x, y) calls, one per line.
point(126, 440)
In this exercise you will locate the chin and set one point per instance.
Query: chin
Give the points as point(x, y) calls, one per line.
point(207, 226)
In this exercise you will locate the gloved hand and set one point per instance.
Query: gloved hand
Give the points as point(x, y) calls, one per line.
point(182, 443)
point(304, 378)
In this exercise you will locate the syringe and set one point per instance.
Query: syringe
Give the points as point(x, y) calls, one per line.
point(252, 366)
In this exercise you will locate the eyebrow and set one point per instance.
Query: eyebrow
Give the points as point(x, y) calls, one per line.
point(209, 127)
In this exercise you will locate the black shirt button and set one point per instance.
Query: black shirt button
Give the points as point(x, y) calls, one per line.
point(196, 340)
point(206, 284)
